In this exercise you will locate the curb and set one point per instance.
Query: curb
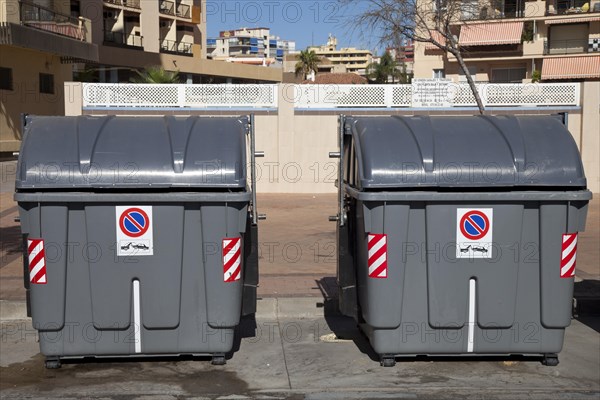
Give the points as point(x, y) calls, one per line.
point(12, 310)
point(266, 308)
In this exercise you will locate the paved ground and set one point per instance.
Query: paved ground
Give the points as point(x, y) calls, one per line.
point(295, 357)
point(296, 353)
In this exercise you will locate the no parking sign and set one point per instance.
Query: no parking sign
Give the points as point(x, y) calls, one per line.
point(134, 230)
point(474, 232)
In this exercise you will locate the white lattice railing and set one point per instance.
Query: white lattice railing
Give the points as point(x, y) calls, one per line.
point(451, 95)
point(327, 96)
point(179, 96)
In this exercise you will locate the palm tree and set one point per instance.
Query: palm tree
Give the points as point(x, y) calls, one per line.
point(381, 72)
point(156, 74)
point(308, 62)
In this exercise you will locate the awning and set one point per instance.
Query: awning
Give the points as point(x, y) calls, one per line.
point(435, 35)
point(571, 67)
point(572, 20)
point(491, 34)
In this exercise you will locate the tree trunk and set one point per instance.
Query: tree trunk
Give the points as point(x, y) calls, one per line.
point(463, 66)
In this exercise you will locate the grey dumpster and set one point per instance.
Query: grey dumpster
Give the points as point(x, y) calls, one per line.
point(137, 234)
point(458, 234)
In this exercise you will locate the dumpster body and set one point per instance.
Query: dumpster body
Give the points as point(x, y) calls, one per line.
point(457, 235)
point(136, 234)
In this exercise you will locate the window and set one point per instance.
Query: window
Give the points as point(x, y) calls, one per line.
point(185, 28)
point(439, 74)
point(6, 81)
point(508, 75)
point(47, 83)
point(75, 8)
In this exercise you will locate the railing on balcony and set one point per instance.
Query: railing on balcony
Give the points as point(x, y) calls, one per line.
point(166, 7)
point(183, 10)
point(569, 7)
point(172, 8)
point(123, 39)
point(125, 3)
point(49, 20)
point(494, 10)
point(173, 47)
point(571, 46)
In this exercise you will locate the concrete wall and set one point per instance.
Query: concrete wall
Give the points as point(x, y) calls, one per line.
point(297, 142)
point(589, 141)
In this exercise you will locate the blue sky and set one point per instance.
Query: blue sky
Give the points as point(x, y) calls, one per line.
point(304, 21)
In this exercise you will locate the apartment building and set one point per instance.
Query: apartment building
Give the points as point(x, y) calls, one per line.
point(404, 55)
point(350, 59)
point(514, 41)
point(38, 42)
point(249, 43)
point(44, 43)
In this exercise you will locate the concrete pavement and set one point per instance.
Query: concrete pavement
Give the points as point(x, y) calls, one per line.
point(295, 352)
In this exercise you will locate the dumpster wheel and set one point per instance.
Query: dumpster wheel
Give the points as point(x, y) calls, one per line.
point(550, 360)
point(218, 359)
point(53, 363)
point(387, 360)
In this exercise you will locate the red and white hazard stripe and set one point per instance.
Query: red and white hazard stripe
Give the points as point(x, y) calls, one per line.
point(377, 244)
point(232, 259)
point(569, 255)
point(37, 261)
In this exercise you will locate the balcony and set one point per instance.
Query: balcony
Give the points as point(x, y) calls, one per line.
point(562, 47)
point(175, 9)
point(45, 19)
point(178, 48)
point(572, 7)
point(38, 28)
point(125, 3)
point(123, 39)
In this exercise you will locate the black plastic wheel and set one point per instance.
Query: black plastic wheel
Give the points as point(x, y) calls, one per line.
point(53, 363)
point(387, 361)
point(550, 360)
point(218, 359)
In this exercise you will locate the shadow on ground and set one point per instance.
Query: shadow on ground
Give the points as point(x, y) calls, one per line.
point(343, 327)
point(587, 293)
point(587, 303)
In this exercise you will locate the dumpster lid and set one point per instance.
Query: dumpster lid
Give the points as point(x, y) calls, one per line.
point(132, 152)
point(463, 151)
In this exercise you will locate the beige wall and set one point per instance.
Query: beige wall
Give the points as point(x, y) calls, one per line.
point(590, 134)
point(296, 151)
point(426, 63)
point(26, 66)
point(297, 143)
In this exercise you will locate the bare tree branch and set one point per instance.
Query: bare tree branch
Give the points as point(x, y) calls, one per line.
point(426, 21)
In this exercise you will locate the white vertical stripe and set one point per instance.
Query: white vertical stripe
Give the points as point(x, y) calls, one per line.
point(471, 338)
point(136, 316)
